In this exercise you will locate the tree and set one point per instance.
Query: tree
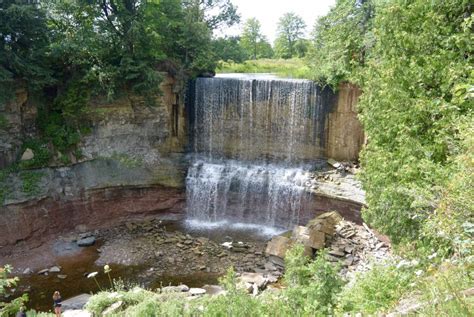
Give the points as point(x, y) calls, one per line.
point(216, 13)
point(291, 28)
point(252, 36)
point(24, 41)
point(229, 49)
point(340, 41)
point(73, 50)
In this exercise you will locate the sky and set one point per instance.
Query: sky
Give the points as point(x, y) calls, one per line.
point(269, 11)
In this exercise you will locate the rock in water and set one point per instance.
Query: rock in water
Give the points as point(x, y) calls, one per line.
point(214, 290)
point(86, 242)
point(55, 269)
point(76, 302)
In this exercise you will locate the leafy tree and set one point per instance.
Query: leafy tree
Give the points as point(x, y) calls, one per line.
point(414, 62)
point(416, 94)
point(70, 51)
point(291, 28)
point(216, 13)
point(340, 41)
point(229, 49)
point(252, 36)
point(24, 41)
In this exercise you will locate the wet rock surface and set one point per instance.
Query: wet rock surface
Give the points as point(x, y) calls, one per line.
point(150, 243)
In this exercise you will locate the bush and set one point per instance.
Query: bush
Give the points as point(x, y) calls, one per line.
point(376, 290)
point(443, 291)
point(313, 286)
point(6, 282)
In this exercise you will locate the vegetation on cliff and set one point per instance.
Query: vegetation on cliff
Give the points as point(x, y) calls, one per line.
point(66, 52)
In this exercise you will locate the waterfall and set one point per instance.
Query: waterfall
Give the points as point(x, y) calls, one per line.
point(253, 141)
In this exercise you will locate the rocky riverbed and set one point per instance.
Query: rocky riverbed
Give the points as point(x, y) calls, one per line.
point(146, 252)
point(167, 250)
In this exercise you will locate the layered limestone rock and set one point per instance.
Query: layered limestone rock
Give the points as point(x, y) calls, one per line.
point(345, 135)
point(314, 236)
point(17, 122)
point(133, 163)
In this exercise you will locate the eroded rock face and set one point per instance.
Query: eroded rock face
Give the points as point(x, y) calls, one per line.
point(34, 222)
point(17, 121)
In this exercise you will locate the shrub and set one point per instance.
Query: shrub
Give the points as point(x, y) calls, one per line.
point(6, 282)
point(313, 286)
point(376, 290)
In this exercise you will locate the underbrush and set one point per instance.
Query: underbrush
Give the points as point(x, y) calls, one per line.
point(376, 290)
point(293, 68)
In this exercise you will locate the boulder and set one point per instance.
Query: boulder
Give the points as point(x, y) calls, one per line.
point(312, 238)
point(175, 289)
point(27, 155)
point(194, 291)
point(278, 246)
point(254, 278)
point(76, 302)
point(214, 290)
point(86, 242)
point(326, 222)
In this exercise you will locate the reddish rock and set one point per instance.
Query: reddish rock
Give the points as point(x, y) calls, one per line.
point(35, 222)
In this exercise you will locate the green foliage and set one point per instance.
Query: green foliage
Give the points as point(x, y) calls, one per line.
point(254, 42)
point(3, 122)
point(23, 42)
point(411, 112)
point(42, 154)
point(313, 286)
point(414, 62)
point(69, 51)
point(237, 302)
point(377, 290)
point(294, 68)
point(30, 182)
point(451, 226)
point(290, 30)
point(229, 49)
point(101, 301)
point(444, 291)
point(6, 282)
point(340, 41)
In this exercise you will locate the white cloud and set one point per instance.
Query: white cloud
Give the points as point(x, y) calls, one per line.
point(269, 11)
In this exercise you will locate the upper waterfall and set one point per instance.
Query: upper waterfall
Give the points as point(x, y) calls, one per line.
point(250, 118)
point(254, 138)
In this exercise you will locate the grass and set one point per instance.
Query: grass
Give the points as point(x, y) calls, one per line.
point(292, 68)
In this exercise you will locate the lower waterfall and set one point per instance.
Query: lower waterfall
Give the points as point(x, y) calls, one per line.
point(234, 191)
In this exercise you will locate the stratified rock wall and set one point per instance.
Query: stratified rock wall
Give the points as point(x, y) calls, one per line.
point(133, 163)
point(345, 136)
point(17, 121)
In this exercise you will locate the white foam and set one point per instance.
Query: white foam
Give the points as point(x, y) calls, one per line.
point(261, 230)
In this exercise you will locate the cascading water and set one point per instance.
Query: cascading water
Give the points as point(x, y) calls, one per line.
point(252, 141)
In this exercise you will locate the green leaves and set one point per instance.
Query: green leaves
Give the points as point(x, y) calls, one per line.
point(414, 62)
